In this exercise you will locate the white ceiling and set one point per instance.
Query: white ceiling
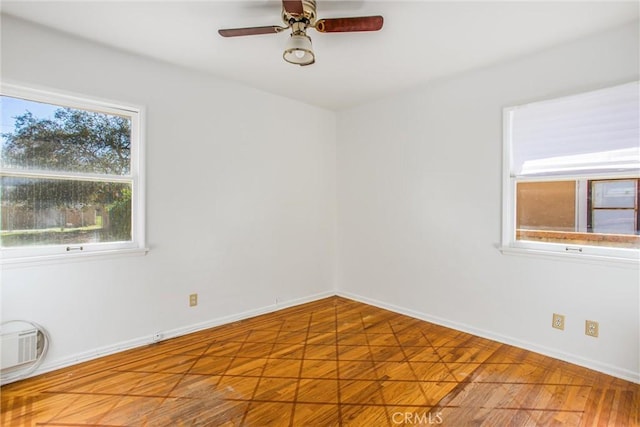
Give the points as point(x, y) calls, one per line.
point(420, 40)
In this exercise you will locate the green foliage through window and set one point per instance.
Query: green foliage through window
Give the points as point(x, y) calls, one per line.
point(65, 177)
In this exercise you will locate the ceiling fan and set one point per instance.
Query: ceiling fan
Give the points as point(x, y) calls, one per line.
point(300, 15)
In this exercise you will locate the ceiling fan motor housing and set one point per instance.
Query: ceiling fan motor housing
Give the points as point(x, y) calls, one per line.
point(309, 13)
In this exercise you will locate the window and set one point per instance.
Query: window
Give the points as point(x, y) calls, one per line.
point(597, 212)
point(70, 177)
point(613, 207)
point(572, 175)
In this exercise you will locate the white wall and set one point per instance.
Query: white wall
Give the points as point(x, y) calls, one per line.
point(255, 207)
point(419, 211)
point(240, 210)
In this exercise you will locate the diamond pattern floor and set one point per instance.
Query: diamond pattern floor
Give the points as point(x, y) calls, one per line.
point(328, 363)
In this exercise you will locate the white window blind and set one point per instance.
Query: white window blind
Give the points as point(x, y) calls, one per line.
point(587, 134)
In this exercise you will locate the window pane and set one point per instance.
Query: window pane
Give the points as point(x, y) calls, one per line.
point(47, 137)
point(555, 212)
point(38, 212)
point(546, 205)
point(615, 221)
point(614, 194)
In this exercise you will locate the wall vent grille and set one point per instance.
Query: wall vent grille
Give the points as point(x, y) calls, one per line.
point(19, 348)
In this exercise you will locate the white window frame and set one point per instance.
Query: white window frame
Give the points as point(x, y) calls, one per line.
point(26, 255)
point(569, 251)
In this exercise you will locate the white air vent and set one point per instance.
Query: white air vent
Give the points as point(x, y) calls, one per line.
point(19, 348)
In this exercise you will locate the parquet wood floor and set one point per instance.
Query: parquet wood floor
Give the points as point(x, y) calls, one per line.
point(333, 362)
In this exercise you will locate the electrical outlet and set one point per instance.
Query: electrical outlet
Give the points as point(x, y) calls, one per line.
point(193, 300)
point(558, 321)
point(591, 328)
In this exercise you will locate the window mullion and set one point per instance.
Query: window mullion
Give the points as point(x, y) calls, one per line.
point(69, 176)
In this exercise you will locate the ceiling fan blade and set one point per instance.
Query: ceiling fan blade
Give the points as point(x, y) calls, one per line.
point(345, 25)
point(250, 31)
point(293, 7)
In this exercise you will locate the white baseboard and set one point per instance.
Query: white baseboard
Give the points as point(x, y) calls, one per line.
point(615, 371)
point(142, 341)
point(244, 315)
point(173, 333)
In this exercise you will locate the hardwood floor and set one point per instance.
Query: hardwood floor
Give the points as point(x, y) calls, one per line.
point(327, 363)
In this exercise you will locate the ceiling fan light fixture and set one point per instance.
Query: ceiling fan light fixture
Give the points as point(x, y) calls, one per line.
point(299, 50)
point(300, 15)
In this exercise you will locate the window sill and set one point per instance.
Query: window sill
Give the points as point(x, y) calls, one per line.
point(571, 256)
point(26, 262)
point(571, 238)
